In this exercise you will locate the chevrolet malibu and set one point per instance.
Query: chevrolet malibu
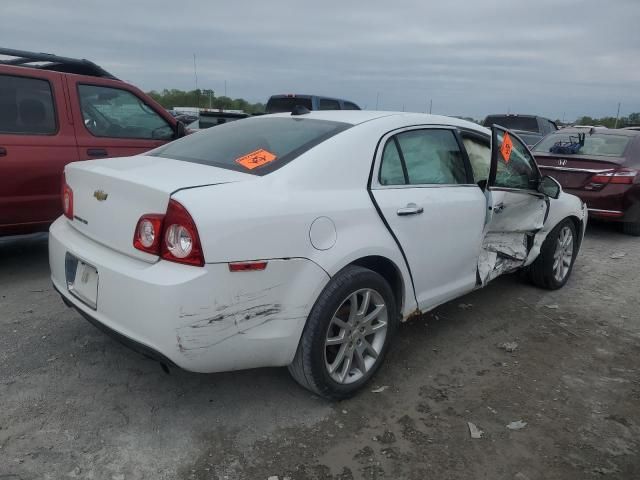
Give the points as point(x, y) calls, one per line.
point(304, 239)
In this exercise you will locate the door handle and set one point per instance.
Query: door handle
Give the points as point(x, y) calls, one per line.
point(97, 152)
point(3, 152)
point(498, 208)
point(410, 209)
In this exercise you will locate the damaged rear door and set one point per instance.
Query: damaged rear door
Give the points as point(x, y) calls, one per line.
point(516, 210)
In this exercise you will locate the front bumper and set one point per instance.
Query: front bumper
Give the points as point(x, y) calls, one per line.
point(200, 319)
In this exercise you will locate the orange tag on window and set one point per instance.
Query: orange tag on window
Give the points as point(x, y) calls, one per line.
point(256, 159)
point(507, 146)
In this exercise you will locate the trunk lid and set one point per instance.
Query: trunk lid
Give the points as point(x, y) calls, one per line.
point(574, 171)
point(110, 195)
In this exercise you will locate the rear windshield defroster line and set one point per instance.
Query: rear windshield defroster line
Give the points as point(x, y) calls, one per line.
point(227, 146)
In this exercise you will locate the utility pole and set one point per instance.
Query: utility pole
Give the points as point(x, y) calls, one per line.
point(617, 116)
point(430, 105)
point(195, 74)
point(225, 88)
point(377, 99)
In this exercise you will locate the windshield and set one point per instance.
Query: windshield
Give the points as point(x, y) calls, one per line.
point(253, 145)
point(575, 143)
point(286, 104)
point(512, 122)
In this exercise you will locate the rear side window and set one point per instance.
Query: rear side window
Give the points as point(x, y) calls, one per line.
point(329, 104)
point(254, 145)
point(117, 113)
point(287, 104)
point(26, 106)
point(423, 157)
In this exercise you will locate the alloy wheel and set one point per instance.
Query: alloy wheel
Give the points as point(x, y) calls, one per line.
point(356, 336)
point(563, 254)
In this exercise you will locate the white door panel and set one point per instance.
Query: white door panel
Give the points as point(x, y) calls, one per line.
point(515, 211)
point(442, 243)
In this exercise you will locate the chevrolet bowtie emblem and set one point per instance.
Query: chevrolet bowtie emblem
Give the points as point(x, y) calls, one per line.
point(100, 195)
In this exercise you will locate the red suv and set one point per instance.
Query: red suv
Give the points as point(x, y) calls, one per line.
point(55, 110)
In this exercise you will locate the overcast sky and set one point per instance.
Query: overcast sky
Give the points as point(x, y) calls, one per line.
point(549, 57)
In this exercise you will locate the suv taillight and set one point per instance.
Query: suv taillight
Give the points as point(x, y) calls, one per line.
point(172, 236)
point(623, 176)
point(67, 198)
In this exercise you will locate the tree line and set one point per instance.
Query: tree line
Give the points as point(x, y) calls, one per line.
point(610, 122)
point(202, 98)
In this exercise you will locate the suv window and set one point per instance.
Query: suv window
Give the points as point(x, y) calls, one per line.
point(257, 145)
point(287, 104)
point(350, 106)
point(328, 104)
point(26, 106)
point(512, 122)
point(519, 170)
point(117, 113)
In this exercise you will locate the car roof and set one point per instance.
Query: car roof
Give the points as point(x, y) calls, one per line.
point(355, 117)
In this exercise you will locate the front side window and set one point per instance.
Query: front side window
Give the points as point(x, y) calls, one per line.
point(117, 113)
point(516, 167)
point(258, 145)
point(26, 106)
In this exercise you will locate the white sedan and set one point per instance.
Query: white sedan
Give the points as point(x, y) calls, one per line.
point(304, 239)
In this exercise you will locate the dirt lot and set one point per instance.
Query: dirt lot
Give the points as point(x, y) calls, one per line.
point(76, 404)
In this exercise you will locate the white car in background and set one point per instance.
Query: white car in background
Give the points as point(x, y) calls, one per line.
point(303, 239)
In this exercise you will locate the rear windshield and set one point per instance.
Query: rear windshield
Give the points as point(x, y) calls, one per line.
point(286, 104)
point(529, 139)
point(512, 122)
point(596, 144)
point(253, 145)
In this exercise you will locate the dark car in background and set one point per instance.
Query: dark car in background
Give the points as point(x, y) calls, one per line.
point(286, 103)
point(530, 128)
point(599, 165)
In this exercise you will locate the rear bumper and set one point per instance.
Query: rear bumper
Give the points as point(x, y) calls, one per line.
point(202, 319)
point(619, 203)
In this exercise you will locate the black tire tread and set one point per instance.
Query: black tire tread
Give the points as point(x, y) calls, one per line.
point(631, 228)
point(540, 272)
point(301, 368)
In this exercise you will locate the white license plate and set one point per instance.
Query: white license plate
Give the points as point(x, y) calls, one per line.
point(82, 281)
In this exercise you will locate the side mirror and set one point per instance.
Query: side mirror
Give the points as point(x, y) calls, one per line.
point(180, 130)
point(550, 187)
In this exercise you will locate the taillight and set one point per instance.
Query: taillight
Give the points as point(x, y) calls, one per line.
point(148, 234)
point(180, 241)
point(172, 236)
point(67, 198)
point(624, 176)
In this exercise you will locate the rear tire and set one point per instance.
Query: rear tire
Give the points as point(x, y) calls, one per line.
point(631, 228)
point(347, 334)
point(553, 267)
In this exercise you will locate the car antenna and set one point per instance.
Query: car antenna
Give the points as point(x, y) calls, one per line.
point(300, 110)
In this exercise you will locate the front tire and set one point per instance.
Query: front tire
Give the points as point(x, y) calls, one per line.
point(347, 334)
point(553, 267)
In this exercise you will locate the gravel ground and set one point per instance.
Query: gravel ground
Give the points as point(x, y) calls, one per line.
point(76, 404)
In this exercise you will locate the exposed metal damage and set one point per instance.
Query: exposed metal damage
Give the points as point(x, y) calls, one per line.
point(501, 252)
